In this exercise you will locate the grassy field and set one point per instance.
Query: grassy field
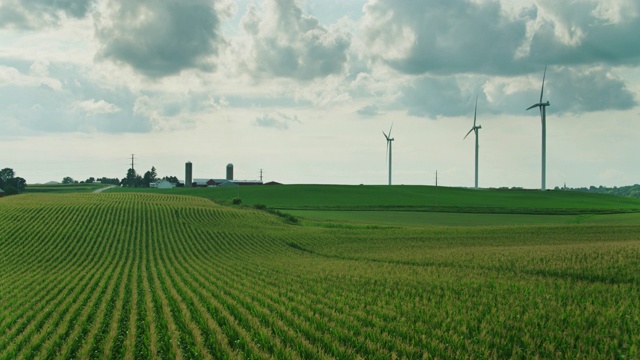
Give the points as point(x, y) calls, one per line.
point(135, 275)
point(416, 198)
point(62, 188)
point(421, 218)
point(425, 205)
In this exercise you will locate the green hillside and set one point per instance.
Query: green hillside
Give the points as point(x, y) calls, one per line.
point(62, 188)
point(133, 275)
point(414, 198)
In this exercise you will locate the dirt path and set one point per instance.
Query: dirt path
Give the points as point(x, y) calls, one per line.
point(103, 189)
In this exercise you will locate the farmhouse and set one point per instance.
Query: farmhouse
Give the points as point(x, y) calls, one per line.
point(162, 184)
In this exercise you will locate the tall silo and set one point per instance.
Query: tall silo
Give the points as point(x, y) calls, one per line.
point(188, 174)
point(229, 171)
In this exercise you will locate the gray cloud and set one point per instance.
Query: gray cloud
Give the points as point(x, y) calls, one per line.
point(437, 36)
point(577, 90)
point(448, 37)
point(587, 32)
point(569, 89)
point(30, 14)
point(433, 96)
point(286, 43)
point(160, 37)
point(277, 120)
point(369, 111)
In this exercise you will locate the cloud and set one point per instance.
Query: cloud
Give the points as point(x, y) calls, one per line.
point(586, 32)
point(35, 101)
point(435, 96)
point(575, 90)
point(277, 120)
point(368, 111)
point(498, 38)
point(285, 43)
point(160, 37)
point(445, 37)
point(578, 90)
point(571, 90)
point(33, 14)
point(95, 107)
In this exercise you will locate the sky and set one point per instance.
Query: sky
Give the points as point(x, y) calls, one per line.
point(303, 90)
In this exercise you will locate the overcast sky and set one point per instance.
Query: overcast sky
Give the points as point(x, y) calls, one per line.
point(303, 89)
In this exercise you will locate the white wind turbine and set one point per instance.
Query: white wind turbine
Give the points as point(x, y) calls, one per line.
point(543, 116)
point(389, 145)
point(475, 129)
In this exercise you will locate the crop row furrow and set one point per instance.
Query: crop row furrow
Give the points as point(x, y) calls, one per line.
point(56, 310)
point(100, 333)
point(259, 323)
point(36, 313)
point(175, 311)
point(237, 336)
point(245, 310)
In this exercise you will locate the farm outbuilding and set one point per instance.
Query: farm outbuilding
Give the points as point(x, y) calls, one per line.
point(162, 184)
point(1, 193)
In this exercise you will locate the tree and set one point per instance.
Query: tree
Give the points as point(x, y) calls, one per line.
point(112, 181)
point(68, 180)
point(130, 179)
point(149, 177)
point(171, 179)
point(10, 183)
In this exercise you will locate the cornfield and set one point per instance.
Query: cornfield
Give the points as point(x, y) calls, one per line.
point(129, 275)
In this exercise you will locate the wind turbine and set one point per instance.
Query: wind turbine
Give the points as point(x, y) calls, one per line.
point(543, 117)
point(389, 145)
point(475, 129)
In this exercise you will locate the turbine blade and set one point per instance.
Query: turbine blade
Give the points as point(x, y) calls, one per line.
point(475, 112)
point(468, 133)
point(532, 106)
point(543, 76)
point(391, 128)
point(385, 136)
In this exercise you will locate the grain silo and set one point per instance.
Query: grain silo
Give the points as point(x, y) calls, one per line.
point(188, 174)
point(229, 171)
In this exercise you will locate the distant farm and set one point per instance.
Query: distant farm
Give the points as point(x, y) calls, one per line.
point(313, 271)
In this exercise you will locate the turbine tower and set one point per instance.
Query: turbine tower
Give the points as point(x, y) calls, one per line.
point(389, 145)
point(475, 129)
point(543, 117)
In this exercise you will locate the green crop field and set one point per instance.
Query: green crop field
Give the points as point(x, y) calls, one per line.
point(416, 198)
point(143, 275)
point(425, 205)
point(62, 188)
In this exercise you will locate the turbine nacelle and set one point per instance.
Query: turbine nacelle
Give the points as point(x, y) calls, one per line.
point(538, 105)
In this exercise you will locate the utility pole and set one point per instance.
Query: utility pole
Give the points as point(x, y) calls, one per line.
point(436, 191)
point(133, 171)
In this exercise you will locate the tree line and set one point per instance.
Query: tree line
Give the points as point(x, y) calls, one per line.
point(133, 179)
point(629, 191)
point(10, 183)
